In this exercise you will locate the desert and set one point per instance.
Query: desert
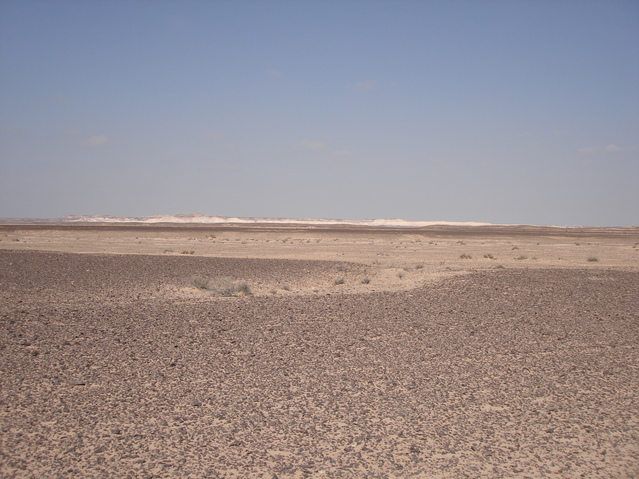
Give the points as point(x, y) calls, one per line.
point(348, 351)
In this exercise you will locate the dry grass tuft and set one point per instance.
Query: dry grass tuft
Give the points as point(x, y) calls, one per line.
point(222, 286)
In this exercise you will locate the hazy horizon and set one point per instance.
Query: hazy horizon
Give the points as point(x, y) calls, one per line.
point(198, 218)
point(462, 111)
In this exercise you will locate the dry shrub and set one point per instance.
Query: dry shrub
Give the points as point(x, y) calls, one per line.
point(222, 286)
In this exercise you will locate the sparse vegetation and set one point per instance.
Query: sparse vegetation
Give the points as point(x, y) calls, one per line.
point(419, 266)
point(200, 282)
point(593, 259)
point(188, 252)
point(339, 281)
point(522, 257)
point(222, 286)
point(233, 288)
point(489, 256)
point(400, 275)
point(366, 280)
point(465, 256)
point(514, 247)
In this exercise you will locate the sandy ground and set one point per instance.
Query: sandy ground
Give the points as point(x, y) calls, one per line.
point(439, 352)
point(391, 259)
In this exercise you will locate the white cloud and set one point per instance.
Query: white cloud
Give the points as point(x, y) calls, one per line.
point(95, 141)
point(589, 150)
point(366, 85)
point(342, 153)
point(309, 145)
point(273, 73)
point(612, 148)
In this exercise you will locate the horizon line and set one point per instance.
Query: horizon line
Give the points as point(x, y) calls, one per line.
point(198, 218)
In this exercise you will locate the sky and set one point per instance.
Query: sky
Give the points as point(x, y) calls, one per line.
point(510, 112)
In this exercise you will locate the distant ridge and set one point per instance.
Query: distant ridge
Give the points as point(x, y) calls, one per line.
point(199, 219)
point(203, 219)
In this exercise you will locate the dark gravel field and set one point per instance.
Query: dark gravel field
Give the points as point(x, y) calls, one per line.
point(506, 373)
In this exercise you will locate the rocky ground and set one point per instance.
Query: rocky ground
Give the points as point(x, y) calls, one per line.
point(109, 369)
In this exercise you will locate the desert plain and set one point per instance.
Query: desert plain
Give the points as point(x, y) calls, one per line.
point(288, 351)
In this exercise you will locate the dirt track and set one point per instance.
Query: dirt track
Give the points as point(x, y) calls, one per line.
point(107, 371)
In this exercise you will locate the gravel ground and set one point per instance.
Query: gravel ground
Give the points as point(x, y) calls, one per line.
point(505, 373)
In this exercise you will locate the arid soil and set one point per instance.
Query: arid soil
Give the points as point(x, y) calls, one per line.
point(358, 354)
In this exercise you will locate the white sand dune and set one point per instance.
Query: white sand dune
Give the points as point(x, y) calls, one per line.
point(203, 219)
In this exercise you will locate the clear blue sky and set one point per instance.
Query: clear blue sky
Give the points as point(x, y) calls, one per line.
point(493, 111)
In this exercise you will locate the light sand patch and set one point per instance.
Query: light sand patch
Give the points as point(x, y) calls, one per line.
point(395, 259)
